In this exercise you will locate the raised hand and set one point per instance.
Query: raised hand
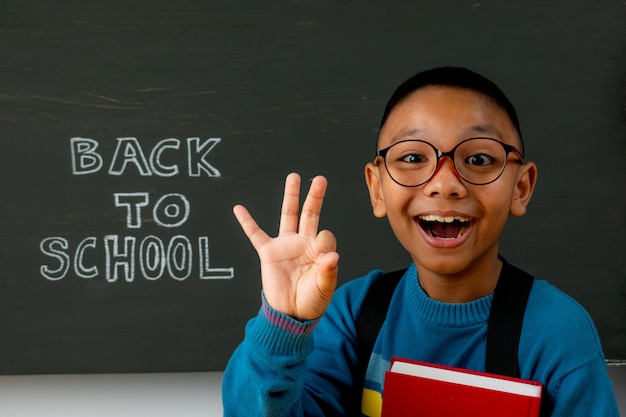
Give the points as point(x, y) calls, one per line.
point(299, 266)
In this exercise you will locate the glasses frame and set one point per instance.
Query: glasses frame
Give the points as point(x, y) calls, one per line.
point(450, 154)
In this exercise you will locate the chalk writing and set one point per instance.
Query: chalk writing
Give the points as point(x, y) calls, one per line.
point(171, 210)
point(87, 160)
point(124, 258)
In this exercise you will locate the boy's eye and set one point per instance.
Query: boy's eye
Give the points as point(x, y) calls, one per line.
point(413, 158)
point(480, 160)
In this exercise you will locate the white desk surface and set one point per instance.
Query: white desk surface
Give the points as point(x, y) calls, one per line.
point(137, 395)
point(119, 395)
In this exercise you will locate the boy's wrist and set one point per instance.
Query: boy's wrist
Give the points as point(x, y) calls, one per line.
point(281, 334)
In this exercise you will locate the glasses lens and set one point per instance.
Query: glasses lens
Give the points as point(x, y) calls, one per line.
point(480, 161)
point(411, 163)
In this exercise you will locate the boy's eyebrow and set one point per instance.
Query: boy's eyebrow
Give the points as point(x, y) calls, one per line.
point(480, 129)
point(472, 131)
point(484, 129)
point(410, 132)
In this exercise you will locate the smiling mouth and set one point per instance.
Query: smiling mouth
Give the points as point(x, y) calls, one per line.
point(444, 227)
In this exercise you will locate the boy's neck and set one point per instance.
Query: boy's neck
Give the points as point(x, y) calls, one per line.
point(476, 281)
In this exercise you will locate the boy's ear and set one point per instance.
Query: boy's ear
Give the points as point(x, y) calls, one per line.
point(524, 187)
point(372, 178)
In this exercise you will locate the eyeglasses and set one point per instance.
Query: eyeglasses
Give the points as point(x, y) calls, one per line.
point(478, 161)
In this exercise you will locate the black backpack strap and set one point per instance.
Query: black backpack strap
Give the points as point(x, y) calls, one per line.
point(505, 320)
point(371, 316)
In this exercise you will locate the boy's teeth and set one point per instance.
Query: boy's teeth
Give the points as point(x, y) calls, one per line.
point(444, 219)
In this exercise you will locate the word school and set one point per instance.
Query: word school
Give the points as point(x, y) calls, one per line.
point(125, 256)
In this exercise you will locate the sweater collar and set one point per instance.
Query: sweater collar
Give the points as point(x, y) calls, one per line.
point(445, 314)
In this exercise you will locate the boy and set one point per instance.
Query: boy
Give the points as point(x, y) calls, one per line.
point(448, 172)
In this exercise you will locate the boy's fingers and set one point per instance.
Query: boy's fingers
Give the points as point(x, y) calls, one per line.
point(327, 260)
point(309, 220)
point(325, 242)
point(255, 234)
point(291, 205)
point(327, 279)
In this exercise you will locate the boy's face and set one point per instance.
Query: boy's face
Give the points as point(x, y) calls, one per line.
point(445, 116)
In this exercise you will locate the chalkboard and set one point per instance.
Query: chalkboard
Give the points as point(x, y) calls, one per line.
point(129, 129)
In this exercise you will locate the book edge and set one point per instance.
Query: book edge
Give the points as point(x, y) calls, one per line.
point(460, 377)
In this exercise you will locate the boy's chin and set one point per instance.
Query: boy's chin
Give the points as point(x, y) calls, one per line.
point(453, 262)
point(450, 266)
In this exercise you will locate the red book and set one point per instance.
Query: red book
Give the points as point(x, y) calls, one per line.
point(421, 389)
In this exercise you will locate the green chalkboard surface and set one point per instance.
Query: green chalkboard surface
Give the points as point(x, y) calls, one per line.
point(129, 129)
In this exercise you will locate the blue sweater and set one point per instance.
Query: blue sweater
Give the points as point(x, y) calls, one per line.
point(289, 368)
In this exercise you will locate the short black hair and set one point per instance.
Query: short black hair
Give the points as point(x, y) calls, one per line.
point(454, 77)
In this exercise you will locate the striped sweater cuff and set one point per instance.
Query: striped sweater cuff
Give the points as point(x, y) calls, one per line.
point(282, 334)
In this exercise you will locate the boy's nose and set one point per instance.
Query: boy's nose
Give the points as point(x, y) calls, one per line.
point(445, 181)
